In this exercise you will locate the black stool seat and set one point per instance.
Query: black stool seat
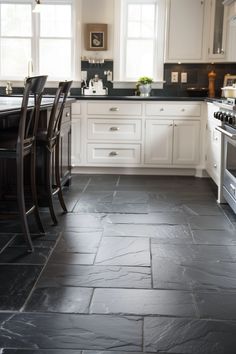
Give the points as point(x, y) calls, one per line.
point(17, 143)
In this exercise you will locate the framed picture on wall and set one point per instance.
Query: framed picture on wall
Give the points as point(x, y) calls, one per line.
point(96, 36)
point(229, 80)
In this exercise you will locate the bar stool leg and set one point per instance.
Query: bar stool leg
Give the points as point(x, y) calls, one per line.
point(49, 186)
point(21, 202)
point(57, 176)
point(34, 190)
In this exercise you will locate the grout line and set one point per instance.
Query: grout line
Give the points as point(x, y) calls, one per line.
point(90, 302)
point(118, 181)
point(40, 274)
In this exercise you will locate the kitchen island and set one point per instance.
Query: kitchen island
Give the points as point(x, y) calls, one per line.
point(9, 117)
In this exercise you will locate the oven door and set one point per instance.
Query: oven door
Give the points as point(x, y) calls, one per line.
point(229, 165)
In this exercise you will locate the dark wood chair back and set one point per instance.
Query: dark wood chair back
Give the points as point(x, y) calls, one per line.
point(28, 124)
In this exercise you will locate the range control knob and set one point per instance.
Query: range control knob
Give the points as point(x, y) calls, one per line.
point(230, 119)
point(216, 114)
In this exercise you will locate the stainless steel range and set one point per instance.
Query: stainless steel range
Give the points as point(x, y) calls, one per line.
point(227, 115)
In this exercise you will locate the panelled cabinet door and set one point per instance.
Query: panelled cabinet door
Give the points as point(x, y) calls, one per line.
point(185, 32)
point(186, 142)
point(65, 151)
point(218, 24)
point(76, 142)
point(158, 144)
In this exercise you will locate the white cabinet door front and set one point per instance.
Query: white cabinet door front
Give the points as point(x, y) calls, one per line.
point(158, 145)
point(185, 35)
point(186, 142)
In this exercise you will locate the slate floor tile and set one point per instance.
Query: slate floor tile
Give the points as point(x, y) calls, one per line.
point(91, 207)
point(63, 300)
point(40, 351)
point(95, 276)
point(210, 223)
point(142, 302)
point(158, 233)
point(175, 335)
point(214, 237)
point(218, 305)
point(5, 238)
point(129, 251)
point(72, 221)
point(19, 255)
point(132, 197)
point(210, 209)
point(78, 242)
point(16, 282)
point(97, 197)
point(72, 258)
point(172, 274)
point(57, 331)
point(173, 218)
point(103, 179)
point(188, 253)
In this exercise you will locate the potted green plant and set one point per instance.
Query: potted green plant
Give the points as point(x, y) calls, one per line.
point(144, 86)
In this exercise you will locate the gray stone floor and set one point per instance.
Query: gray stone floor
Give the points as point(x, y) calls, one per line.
point(138, 265)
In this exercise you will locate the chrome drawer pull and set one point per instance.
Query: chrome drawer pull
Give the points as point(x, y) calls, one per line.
point(114, 129)
point(114, 109)
point(113, 153)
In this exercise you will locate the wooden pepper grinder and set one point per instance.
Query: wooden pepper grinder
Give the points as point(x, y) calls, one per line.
point(211, 87)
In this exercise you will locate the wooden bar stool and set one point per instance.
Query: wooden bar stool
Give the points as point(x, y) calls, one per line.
point(50, 140)
point(17, 144)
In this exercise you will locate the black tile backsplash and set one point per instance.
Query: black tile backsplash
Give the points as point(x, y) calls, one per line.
point(197, 76)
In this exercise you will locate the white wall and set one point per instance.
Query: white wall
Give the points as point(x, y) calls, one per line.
point(98, 11)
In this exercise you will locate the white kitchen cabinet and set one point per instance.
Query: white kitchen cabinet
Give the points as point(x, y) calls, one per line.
point(213, 145)
point(218, 28)
point(159, 142)
point(76, 134)
point(172, 142)
point(185, 30)
point(186, 142)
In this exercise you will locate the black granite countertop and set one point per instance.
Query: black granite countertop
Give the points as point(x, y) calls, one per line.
point(138, 98)
point(123, 98)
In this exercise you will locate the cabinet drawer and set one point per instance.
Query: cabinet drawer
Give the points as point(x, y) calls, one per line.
point(114, 153)
point(76, 108)
point(114, 109)
point(182, 110)
point(114, 129)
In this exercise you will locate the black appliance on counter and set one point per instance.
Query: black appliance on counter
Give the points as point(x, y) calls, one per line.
point(227, 115)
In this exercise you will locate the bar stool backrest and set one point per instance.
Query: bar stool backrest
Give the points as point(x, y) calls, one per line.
point(54, 125)
point(28, 124)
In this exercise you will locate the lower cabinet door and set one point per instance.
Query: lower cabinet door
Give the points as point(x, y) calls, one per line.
point(186, 142)
point(113, 153)
point(65, 151)
point(158, 142)
point(76, 142)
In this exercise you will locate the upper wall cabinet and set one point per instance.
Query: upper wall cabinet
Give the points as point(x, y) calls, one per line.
point(218, 25)
point(185, 28)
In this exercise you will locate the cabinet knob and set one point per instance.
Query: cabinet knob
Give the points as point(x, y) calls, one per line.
point(162, 110)
point(171, 125)
point(113, 153)
point(114, 129)
point(222, 51)
point(175, 125)
point(215, 165)
point(68, 114)
point(183, 110)
point(114, 109)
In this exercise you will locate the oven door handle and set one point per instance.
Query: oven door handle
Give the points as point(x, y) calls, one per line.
point(223, 131)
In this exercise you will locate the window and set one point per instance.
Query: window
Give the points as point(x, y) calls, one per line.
point(45, 38)
point(141, 39)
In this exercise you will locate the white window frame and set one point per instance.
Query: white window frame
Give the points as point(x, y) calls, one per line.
point(75, 41)
point(120, 16)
